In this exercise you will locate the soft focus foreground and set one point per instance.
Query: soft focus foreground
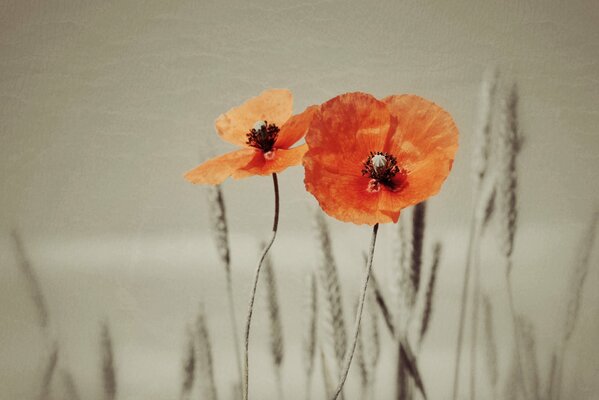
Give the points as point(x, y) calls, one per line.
point(104, 106)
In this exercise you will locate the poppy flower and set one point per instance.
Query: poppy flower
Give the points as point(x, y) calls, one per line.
point(367, 158)
point(265, 129)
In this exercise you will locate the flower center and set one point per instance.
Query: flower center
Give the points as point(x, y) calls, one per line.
point(382, 169)
point(263, 136)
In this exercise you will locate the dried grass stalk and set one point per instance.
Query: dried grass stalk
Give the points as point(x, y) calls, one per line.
point(332, 309)
point(530, 367)
point(508, 147)
point(49, 372)
point(309, 339)
point(326, 376)
point(483, 147)
point(205, 367)
point(109, 382)
point(401, 286)
point(218, 223)
point(189, 364)
point(490, 343)
point(581, 269)
point(418, 225)
point(274, 316)
point(430, 292)
point(218, 219)
point(33, 284)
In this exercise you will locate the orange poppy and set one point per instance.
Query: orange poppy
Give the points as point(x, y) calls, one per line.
point(367, 158)
point(265, 129)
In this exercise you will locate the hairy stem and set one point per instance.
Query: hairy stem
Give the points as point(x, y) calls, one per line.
point(349, 356)
point(253, 294)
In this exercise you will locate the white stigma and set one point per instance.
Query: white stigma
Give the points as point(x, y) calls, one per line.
point(379, 161)
point(259, 125)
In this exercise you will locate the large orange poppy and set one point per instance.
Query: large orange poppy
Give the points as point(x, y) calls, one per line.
point(367, 158)
point(265, 129)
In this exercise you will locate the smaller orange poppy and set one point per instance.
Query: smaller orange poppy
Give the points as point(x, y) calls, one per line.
point(265, 129)
point(367, 159)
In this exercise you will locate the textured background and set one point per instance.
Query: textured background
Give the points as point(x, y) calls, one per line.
point(104, 105)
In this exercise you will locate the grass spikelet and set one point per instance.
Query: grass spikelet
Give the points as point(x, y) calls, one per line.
point(430, 292)
point(218, 223)
point(508, 147)
point(274, 317)
point(418, 225)
point(401, 286)
point(205, 367)
point(33, 284)
point(490, 343)
point(483, 146)
point(49, 372)
point(309, 339)
point(326, 376)
point(189, 364)
point(332, 309)
point(109, 382)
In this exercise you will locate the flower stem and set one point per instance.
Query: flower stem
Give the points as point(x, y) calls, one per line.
point(253, 294)
point(349, 356)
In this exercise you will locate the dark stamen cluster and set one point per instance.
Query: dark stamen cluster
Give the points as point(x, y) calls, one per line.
point(263, 138)
point(385, 173)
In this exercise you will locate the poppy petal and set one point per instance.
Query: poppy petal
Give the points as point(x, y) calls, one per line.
point(216, 170)
point(281, 159)
point(344, 197)
point(425, 143)
point(345, 130)
point(295, 128)
point(423, 130)
point(274, 106)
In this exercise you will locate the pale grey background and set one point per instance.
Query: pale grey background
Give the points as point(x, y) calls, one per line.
point(104, 105)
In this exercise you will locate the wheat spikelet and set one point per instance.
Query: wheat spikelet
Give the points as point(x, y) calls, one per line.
point(35, 289)
point(369, 344)
point(218, 220)
point(218, 223)
point(309, 339)
point(333, 309)
point(490, 343)
point(205, 367)
point(418, 225)
point(274, 317)
point(529, 360)
point(361, 359)
point(578, 278)
point(189, 364)
point(276, 328)
point(483, 140)
point(430, 291)
point(508, 146)
point(109, 382)
point(70, 388)
point(401, 286)
point(326, 376)
point(49, 371)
